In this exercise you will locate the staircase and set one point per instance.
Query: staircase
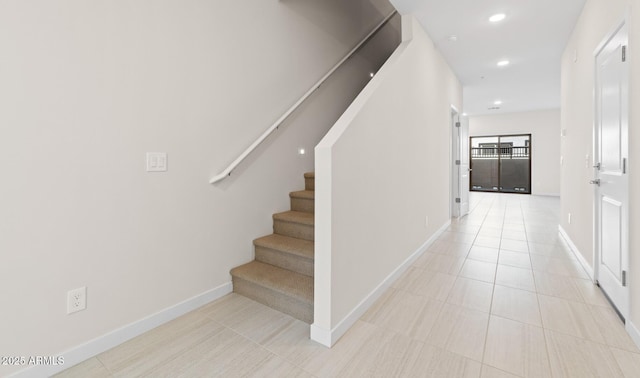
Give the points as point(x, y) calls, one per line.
point(281, 276)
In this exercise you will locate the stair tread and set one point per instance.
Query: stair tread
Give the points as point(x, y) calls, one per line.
point(284, 281)
point(296, 217)
point(299, 247)
point(306, 194)
point(310, 175)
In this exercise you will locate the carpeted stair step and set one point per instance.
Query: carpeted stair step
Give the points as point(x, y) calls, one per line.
point(310, 180)
point(295, 224)
point(280, 289)
point(302, 200)
point(285, 252)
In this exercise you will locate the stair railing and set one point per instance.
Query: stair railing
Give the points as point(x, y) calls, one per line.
point(227, 171)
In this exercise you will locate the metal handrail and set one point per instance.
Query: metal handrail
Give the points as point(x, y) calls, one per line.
point(227, 171)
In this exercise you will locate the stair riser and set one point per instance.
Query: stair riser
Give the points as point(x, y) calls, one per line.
point(310, 183)
point(302, 204)
point(285, 260)
point(276, 300)
point(294, 230)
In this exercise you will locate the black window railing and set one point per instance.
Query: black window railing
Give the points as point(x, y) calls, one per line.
point(502, 152)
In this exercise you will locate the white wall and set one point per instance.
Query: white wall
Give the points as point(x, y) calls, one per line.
point(597, 20)
point(544, 127)
point(379, 173)
point(87, 88)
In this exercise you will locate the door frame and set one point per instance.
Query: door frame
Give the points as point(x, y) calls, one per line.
point(530, 135)
point(454, 209)
point(622, 22)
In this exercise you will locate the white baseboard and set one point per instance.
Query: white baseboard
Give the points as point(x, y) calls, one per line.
point(547, 194)
point(588, 268)
point(328, 337)
point(112, 339)
point(633, 332)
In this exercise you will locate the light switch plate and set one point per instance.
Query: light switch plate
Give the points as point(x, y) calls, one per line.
point(156, 161)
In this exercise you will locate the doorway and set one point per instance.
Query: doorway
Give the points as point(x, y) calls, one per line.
point(611, 180)
point(501, 163)
point(460, 165)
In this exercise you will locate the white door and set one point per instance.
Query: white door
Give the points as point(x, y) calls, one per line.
point(463, 168)
point(611, 154)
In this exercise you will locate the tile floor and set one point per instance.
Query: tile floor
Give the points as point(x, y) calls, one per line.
point(499, 294)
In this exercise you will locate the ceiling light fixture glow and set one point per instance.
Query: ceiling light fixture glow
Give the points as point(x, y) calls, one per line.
point(497, 102)
point(503, 63)
point(497, 17)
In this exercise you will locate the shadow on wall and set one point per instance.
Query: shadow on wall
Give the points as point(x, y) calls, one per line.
point(338, 17)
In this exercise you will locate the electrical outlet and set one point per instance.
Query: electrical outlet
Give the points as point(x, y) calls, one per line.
point(76, 300)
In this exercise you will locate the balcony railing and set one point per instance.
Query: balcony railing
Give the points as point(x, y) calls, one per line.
point(502, 152)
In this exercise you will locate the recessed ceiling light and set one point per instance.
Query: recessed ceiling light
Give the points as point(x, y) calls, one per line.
point(497, 102)
point(503, 63)
point(497, 17)
point(371, 74)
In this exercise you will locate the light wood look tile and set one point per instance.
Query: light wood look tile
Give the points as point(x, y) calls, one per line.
point(518, 227)
point(590, 292)
point(487, 241)
point(628, 362)
point(449, 264)
point(227, 354)
point(492, 232)
point(147, 351)
point(514, 235)
point(558, 266)
point(516, 304)
point(436, 362)
point(491, 372)
point(515, 259)
point(404, 313)
point(572, 356)
point(460, 330)
point(479, 270)
point(433, 285)
point(325, 362)
point(569, 317)
point(551, 250)
point(612, 328)
point(90, 368)
point(386, 356)
point(517, 278)
point(472, 294)
point(458, 237)
point(517, 348)
point(514, 245)
point(251, 319)
point(557, 286)
point(485, 254)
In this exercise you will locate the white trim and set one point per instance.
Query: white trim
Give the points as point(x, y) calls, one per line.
point(576, 252)
point(328, 337)
point(633, 332)
point(112, 339)
point(546, 194)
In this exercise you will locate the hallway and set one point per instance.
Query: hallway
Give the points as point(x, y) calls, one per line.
point(497, 295)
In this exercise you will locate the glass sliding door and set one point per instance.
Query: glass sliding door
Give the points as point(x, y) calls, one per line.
point(501, 164)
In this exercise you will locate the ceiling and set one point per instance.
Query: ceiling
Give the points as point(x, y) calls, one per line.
point(532, 38)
